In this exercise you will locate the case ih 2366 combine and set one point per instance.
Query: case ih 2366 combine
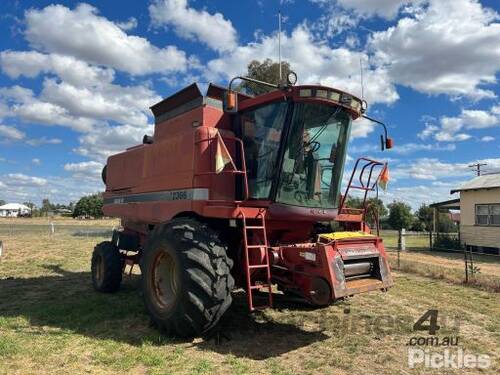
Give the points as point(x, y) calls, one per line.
point(240, 191)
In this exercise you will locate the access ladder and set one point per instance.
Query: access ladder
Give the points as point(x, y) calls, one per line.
point(254, 229)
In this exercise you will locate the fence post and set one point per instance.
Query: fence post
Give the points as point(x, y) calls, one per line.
point(399, 263)
point(402, 239)
point(471, 264)
point(430, 240)
point(466, 265)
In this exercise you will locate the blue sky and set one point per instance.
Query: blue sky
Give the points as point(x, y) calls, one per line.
point(76, 80)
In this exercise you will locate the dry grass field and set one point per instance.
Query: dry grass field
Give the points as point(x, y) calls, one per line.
point(52, 321)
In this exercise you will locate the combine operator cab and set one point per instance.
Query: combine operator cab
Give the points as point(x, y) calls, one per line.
point(233, 189)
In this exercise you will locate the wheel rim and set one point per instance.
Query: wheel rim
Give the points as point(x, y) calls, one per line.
point(99, 270)
point(164, 280)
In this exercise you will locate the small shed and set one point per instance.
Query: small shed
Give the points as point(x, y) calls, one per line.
point(14, 210)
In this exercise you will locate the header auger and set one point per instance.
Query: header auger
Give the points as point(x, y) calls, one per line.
point(240, 191)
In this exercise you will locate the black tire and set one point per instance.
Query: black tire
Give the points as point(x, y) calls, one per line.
point(107, 267)
point(197, 287)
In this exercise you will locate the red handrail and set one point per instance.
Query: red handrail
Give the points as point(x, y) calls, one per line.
point(242, 172)
point(364, 184)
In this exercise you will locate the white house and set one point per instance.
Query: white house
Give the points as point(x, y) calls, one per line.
point(14, 210)
point(480, 213)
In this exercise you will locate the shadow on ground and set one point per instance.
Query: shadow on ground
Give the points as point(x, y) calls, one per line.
point(67, 301)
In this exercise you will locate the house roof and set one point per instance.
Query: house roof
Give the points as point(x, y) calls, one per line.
point(487, 181)
point(453, 204)
point(14, 206)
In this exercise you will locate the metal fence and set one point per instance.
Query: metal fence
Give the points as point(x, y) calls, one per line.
point(446, 249)
point(51, 228)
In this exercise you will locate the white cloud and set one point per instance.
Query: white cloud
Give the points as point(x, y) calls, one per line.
point(487, 138)
point(433, 169)
point(11, 133)
point(449, 47)
point(43, 141)
point(21, 188)
point(408, 148)
point(451, 129)
point(429, 130)
point(85, 35)
point(106, 101)
point(384, 8)
point(36, 161)
point(130, 24)
point(20, 179)
point(107, 140)
point(32, 63)
point(80, 108)
point(91, 169)
point(314, 61)
point(361, 128)
point(82, 166)
point(212, 29)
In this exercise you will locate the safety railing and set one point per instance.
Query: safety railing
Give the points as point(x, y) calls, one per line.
point(366, 174)
point(235, 171)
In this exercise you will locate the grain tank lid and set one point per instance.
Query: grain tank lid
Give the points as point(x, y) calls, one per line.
point(186, 95)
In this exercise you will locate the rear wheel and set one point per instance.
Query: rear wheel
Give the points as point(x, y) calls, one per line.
point(107, 265)
point(186, 277)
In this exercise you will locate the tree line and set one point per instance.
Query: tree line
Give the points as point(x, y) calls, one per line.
point(399, 215)
point(89, 206)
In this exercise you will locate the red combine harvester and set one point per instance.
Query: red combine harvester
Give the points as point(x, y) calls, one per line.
point(234, 190)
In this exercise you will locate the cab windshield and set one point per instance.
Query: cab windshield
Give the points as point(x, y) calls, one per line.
point(314, 156)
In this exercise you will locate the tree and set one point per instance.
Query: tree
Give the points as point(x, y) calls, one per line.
point(354, 202)
point(379, 205)
point(89, 206)
point(29, 204)
point(400, 215)
point(267, 71)
point(446, 225)
point(425, 216)
point(2, 202)
point(46, 206)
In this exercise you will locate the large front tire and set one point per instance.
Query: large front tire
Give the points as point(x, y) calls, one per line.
point(186, 277)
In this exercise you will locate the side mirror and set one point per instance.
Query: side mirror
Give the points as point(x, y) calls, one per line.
point(230, 101)
point(389, 143)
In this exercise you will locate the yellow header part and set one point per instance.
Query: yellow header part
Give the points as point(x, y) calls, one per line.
point(341, 235)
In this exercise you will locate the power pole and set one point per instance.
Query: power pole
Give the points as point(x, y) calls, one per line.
point(477, 167)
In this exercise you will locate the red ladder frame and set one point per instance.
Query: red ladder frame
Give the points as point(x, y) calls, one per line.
point(248, 248)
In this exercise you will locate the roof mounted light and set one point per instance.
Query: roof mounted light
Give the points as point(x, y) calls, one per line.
point(364, 106)
point(291, 78)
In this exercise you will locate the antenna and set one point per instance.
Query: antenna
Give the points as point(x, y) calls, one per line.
point(279, 44)
point(361, 77)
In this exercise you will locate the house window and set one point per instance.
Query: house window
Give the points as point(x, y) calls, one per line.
point(487, 214)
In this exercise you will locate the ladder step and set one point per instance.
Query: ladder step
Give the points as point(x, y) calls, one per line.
point(255, 246)
point(261, 307)
point(262, 286)
point(254, 227)
point(258, 265)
